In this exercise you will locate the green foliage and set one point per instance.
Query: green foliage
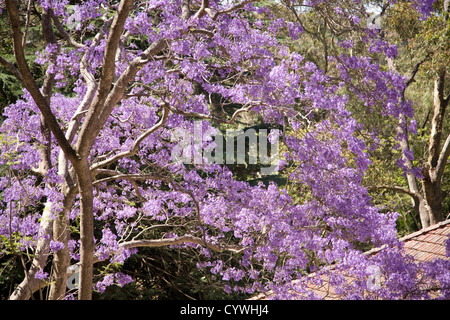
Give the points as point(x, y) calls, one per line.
point(11, 273)
point(166, 274)
point(428, 43)
point(10, 87)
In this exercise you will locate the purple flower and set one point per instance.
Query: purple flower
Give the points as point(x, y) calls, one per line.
point(41, 275)
point(55, 246)
point(123, 279)
point(107, 281)
point(208, 68)
point(347, 44)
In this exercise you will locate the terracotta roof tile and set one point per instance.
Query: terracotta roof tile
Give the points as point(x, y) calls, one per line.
point(424, 245)
point(428, 243)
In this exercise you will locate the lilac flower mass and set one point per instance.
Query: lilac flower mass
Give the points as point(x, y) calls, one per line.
point(88, 148)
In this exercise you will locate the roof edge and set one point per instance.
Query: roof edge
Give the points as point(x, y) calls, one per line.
point(425, 230)
point(411, 235)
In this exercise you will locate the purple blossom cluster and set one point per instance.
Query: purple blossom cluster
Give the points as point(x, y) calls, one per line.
point(118, 278)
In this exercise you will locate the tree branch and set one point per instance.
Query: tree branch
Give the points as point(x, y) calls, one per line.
point(204, 9)
point(45, 162)
point(185, 9)
point(95, 120)
point(30, 284)
point(416, 69)
point(97, 114)
point(153, 176)
point(248, 107)
point(30, 84)
point(112, 43)
point(233, 8)
point(445, 153)
point(135, 148)
point(412, 194)
point(65, 34)
point(27, 24)
point(437, 122)
point(158, 243)
point(11, 68)
point(179, 240)
point(131, 176)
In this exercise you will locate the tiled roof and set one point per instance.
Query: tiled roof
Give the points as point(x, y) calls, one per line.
point(429, 243)
point(424, 245)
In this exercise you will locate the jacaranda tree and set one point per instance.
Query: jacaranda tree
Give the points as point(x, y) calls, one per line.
point(88, 166)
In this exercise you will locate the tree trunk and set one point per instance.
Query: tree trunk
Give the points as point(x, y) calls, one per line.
point(85, 189)
point(429, 205)
point(61, 259)
point(419, 202)
point(434, 168)
point(30, 284)
point(433, 194)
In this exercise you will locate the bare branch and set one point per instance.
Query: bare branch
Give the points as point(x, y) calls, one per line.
point(27, 23)
point(97, 114)
point(204, 9)
point(179, 240)
point(50, 38)
point(132, 176)
point(112, 43)
point(445, 153)
point(185, 9)
point(248, 107)
point(202, 31)
point(413, 195)
point(134, 149)
point(437, 122)
point(416, 69)
point(233, 8)
point(95, 120)
point(65, 34)
point(11, 68)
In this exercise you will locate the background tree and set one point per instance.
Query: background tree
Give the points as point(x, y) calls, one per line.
point(420, 44)
point(424, 45)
